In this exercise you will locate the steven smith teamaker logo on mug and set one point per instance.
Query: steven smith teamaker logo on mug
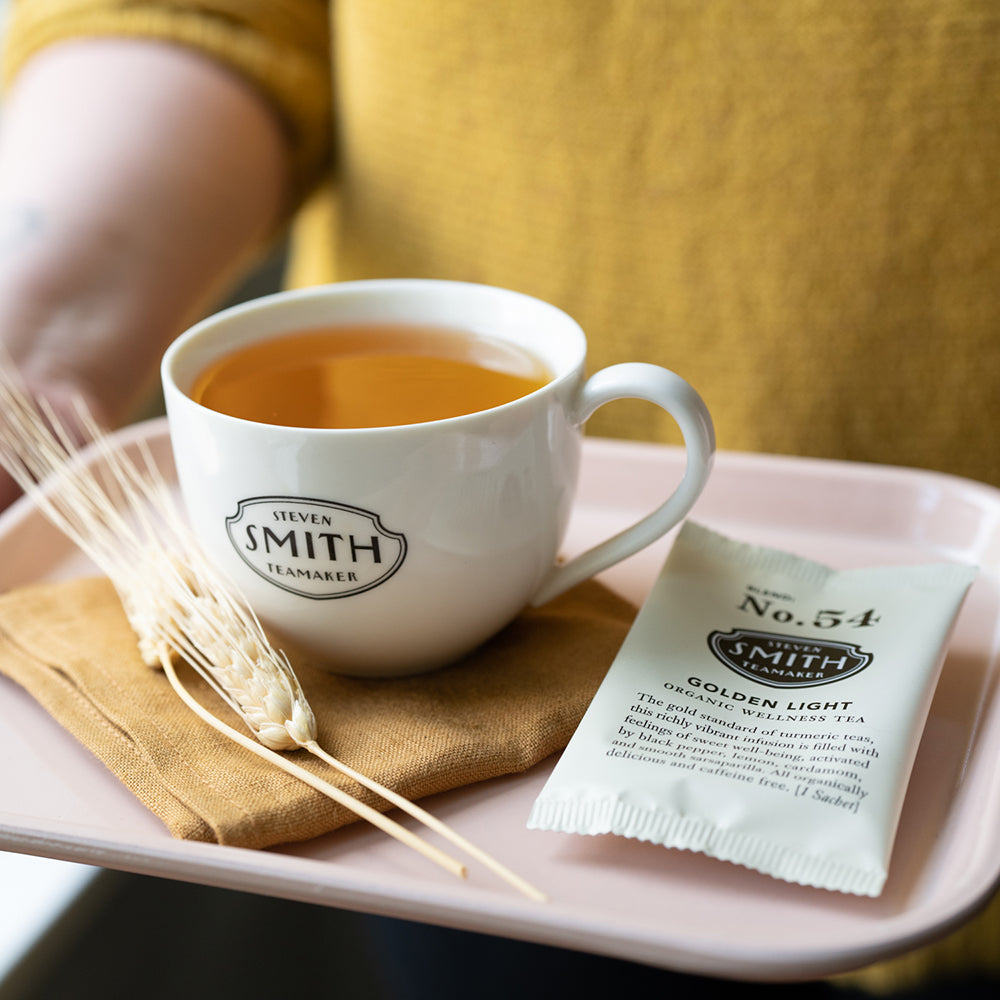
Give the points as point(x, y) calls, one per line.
point(787, 660)
point(315, 548)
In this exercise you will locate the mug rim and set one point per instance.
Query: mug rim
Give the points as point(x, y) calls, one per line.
point(213, 326)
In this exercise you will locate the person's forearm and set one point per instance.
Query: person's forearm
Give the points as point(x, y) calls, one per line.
point(135, 177)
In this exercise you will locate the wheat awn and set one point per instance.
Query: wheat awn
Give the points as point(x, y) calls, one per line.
point(124, 519)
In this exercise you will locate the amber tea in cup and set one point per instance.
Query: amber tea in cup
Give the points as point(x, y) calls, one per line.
point(368, 375)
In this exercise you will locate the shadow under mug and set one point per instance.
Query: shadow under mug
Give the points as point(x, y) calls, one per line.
point(394, 550)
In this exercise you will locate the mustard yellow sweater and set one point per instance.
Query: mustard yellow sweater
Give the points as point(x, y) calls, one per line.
point(793, 204)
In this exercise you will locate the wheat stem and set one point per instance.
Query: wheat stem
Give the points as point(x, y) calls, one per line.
point(432, 822)
point(338, 795)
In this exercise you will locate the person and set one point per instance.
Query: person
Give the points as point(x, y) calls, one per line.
point(792, 205)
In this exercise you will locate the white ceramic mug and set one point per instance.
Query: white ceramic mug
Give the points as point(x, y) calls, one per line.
point(394, 550)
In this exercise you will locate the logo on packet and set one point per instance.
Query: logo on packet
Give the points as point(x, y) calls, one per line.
point(320, 549)
point(785, 660)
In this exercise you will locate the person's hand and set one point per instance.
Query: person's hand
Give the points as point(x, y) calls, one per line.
point(65, 402)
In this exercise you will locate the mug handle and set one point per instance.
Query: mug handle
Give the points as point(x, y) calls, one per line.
point(637, 380)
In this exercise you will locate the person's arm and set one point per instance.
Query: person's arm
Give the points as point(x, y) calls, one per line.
point(135, 177)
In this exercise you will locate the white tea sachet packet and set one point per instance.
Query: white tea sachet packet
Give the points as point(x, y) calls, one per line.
point(764, 710)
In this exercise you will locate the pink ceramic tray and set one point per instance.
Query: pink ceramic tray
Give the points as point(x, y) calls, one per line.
point(609, 895)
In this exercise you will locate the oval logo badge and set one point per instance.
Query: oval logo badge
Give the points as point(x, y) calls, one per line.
point(319, 549)
point(785, 660)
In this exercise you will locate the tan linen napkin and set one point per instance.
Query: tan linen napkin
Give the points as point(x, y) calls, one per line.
point(507, 706)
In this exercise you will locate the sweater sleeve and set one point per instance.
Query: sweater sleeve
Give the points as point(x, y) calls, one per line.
point(281, 47)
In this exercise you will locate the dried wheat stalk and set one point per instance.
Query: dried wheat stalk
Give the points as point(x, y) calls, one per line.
point(124, 518)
